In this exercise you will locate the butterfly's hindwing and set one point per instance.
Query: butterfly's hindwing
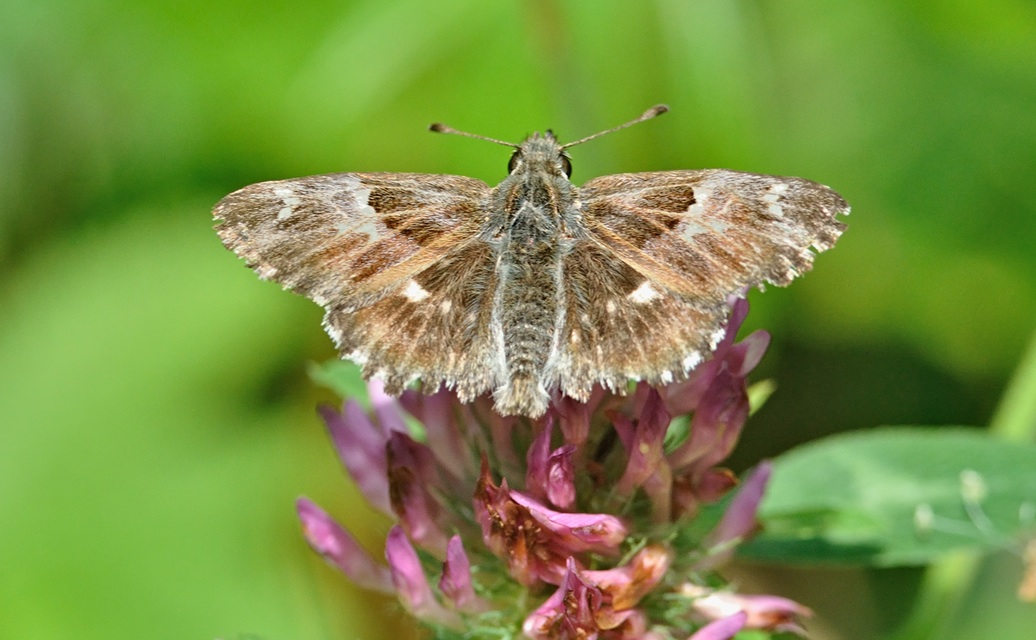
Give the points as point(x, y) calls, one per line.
point(621, 325)
point(435, 327)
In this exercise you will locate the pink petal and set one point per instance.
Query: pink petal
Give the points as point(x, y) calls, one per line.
point(774, 613)
point(409, 579)
point(626, 585)
point(578, 532)
point(647, 467)
point(550, 475)
point(535, 541)
point(569, 613)
point(361, 447)
point(536, 460)
point(738, 312)
point(386, 408)
point(694, 488)
point(716, 425)
point(340, 549)
point(771, 613)
point(455, 583)
point(747, 354)
point(438, 414)
point(574, 417)
point(683, 397)
point(722, 629)
point(739, 520)
point(561, 475)
point(509, 533)
point(646, 453)
point(411, 472)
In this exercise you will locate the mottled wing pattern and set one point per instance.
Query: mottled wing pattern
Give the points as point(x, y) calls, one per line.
point(437, 329)
point(393, 257)
point(684, 240)
point(621, 326)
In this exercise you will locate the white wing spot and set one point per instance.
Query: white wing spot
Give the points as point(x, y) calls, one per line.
point(610, 306)
point(414, 292)
point(698, 207)
point(779, 187)
point(643, 294)
point(359, 357)
point(287, 196)
point(772, 199)
point(362, 198)
point(363, 211)
point(445, 305)
point(692, 229)
point(692, 360)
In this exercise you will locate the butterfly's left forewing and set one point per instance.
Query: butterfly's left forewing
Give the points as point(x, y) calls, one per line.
point(346, 239)
point(394, 258)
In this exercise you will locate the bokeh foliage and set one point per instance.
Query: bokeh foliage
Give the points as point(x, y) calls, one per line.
point(155, 417)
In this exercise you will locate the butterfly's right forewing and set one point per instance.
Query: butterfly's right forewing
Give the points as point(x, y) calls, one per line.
point(647, 288)
point(708, 233)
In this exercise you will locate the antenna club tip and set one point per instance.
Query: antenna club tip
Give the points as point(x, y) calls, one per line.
point(437, 127)
point(656, 110)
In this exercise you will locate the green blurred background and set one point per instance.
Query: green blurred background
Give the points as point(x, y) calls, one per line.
point(157, 419)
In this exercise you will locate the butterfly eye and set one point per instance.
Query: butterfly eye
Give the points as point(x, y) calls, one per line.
point(566, 166)
point(513, 162)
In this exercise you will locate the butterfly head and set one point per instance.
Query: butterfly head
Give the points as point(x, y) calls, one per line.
point(540, 153)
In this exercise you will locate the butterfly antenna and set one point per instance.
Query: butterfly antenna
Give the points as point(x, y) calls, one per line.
point(654, 111)
point(439, 127)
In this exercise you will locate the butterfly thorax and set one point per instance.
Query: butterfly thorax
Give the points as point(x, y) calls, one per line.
point(535, 226)
point(536, 197)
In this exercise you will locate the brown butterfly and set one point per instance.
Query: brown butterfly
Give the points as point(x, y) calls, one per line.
point(533, 286)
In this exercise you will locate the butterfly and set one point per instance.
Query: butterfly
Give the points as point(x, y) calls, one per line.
point(534, 287)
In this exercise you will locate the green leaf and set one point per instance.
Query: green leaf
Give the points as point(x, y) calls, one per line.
point(342, 377)
point(896, 496)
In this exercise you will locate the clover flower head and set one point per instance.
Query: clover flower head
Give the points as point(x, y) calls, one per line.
point(579, 525)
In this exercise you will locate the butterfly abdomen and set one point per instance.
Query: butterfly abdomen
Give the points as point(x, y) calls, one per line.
point(527, 314)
